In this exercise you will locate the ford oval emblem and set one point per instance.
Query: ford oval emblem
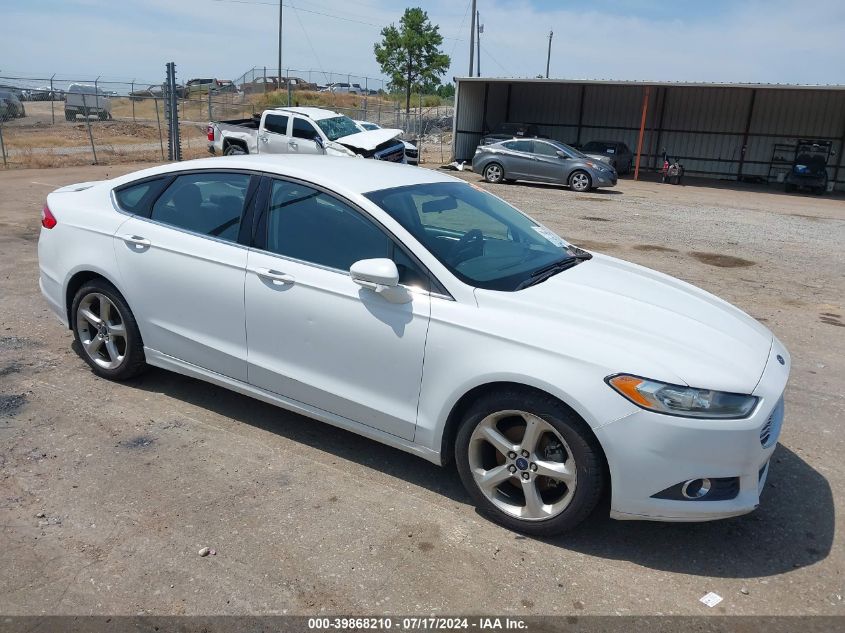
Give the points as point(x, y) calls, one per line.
point(781, 360)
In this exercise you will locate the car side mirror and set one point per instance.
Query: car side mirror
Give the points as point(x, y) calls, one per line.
point(382, 277)
point(319, 141)
point(562, 155)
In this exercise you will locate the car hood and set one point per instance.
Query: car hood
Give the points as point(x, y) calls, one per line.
point(630, 319)
point(370, 139)
point(602, 157)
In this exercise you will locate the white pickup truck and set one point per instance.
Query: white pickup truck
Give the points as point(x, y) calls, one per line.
point(300, 130)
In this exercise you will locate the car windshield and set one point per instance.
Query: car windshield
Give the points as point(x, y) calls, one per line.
point(515, 129)
point(338, 127)
point(598, 147)
point(481, 239)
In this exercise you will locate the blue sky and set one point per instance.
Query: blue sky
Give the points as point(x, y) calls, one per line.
point(775, 41)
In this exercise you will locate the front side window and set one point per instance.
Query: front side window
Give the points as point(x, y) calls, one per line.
point(545, 149)
point(276, 123)
point(205, 203)
point(481, 239)
point(306, 224)
point(303, 129)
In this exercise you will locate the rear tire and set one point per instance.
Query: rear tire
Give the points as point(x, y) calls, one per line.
point(529, 462)
point(106, 331)
point(493, 173)
point(234, 150)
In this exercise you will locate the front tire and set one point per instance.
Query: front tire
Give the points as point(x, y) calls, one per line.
point(493, 173)
point(106, 331)
point(580, 181)
point(529, 462)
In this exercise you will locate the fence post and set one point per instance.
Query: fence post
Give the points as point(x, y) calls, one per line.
point(52, 100)
point(132, 100)
point(265, 80)
point(209, 106)
point(287, 81)
point(88, 122)
point(96, 94)
point(158, 119)
point(366, 94)
point(2, 144)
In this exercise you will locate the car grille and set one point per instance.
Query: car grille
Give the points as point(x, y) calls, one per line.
point(771, 429)
point(393, 153)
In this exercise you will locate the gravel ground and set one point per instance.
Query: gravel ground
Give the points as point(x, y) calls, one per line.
point(108, 491)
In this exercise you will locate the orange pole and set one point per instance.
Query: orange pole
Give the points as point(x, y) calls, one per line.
point(642, 133)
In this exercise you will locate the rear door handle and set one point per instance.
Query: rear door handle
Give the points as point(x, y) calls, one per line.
point(136, 240)
point(275, 276)
point(264, 139)
point(293, 144)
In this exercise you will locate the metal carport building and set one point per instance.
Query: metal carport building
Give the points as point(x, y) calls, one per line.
point(725, 131)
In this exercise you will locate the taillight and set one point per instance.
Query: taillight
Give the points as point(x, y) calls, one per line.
point(48, 220)
point(210, 131)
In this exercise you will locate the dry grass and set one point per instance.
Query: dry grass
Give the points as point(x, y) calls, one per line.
point(27, 159)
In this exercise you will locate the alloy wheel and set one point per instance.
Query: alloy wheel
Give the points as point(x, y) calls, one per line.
point(102, 331)
point(522, 465)
point(493, 173)
point(580, 181)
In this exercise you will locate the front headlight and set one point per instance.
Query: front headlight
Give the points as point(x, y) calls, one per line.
point(688, 402)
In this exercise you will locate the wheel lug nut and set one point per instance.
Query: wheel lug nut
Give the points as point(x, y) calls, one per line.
point(511, 455)
point(512, 468)
point(526, 476)
point(534, 467)
point(525, 453)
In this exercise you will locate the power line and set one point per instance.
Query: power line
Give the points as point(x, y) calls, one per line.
point(310, 44)
point(460, 28)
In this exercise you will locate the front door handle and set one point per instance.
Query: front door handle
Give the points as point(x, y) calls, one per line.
point(264, 139)
point(275, 276)
point(136, 240)
point(293, 144)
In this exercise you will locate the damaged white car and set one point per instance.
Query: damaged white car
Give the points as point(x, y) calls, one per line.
point(300, 130)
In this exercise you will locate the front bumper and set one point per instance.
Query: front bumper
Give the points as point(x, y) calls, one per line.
point(649, 452)
point(605, 180)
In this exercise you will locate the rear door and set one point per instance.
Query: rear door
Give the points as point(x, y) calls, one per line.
point(273, 134)
point(519, 161)
point(183, 268)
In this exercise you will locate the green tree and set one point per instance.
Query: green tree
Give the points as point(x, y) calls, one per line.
point(410, 55)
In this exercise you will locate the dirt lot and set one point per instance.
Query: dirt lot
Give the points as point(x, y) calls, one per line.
point(133, 479)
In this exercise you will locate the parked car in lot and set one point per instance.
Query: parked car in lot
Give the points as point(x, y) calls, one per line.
point(86, 100)
point(155, 91)
point(420, 311)
point(14, 106)
point(344, 88)
point(303, 131)
point(412, 154)
point(616, 154)
point(541, 160)
point(507, 131)
point(199, 86)
point(45, 93)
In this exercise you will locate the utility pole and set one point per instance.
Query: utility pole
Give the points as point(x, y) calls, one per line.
point(472, 39)
point(279, 85)
point(549, 56)
point(478, 42)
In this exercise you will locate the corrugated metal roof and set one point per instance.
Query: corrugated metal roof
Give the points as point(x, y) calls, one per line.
point(676, 84)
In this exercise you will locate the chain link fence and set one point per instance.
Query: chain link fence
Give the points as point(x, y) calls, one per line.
point(61, 120)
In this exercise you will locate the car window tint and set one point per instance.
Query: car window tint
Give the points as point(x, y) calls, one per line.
point(522, 146)
point(210, 203)
point(276, 123)
point(452, 218)
point(309, 225)
point(135, 198)
point(545, 149)
point(303, 129)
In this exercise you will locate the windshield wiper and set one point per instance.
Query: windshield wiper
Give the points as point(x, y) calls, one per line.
point(541, 274)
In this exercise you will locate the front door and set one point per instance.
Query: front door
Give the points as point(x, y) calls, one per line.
point(183, 271)
point(317, 337)
point(302, 137)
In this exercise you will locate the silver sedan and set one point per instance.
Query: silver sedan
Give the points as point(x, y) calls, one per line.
point(541, 160)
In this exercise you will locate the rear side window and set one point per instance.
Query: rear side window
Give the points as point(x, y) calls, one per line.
point(276, 123)
point(209, 204)
point(136, 198)
point(303, 129)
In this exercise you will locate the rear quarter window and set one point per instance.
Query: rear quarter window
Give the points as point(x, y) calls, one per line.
point(136, 198)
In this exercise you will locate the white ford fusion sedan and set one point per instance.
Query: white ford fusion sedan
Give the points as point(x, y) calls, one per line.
point(422, 312)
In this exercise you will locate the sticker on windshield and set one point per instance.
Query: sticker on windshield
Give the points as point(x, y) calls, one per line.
point(553, 237)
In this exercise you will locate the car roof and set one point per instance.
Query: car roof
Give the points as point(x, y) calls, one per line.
point(338, 173)
point(316, 114)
